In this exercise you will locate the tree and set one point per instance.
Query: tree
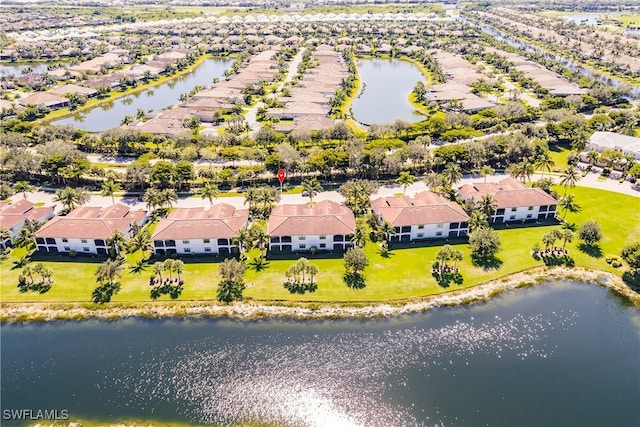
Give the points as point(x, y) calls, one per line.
point(152, 198)
point(357, 194)
point(488, 206)
point(567, 237)
point(590, 233)
point(117, 244)
point(232, 284)
point(141, 241)
point(631, 254)
point(452, 173)
point(71, 197)
point(405, 179)
point(22, 187)
point(549, 239)
point(485, 243)
point(311, 186)
point(386, 231)
point(485, 171)
point(477, 219)
point(209, 191)
point(168, 196)
point(178, 267)
point(109, 188)
point(109, 271)
point(568, 204)
point(544, 162)
point(355, 260)
point(569, 178)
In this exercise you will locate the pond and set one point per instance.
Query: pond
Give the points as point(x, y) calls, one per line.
point(383, 95)
point(17, 70)
point(561, 354)
point(110, 114)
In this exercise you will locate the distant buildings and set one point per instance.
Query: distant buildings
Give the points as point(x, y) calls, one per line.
point(14, 215)
point(601, 141)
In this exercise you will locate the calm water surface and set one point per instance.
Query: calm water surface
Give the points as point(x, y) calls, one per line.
point(109, 115)
point(555, 355)
point(385, 85)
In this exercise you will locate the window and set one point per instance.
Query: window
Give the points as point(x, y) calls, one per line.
point(529, 216)
point(421, 227)
point(514, 209)
point(65, 240)
point(440, 225)
point(512, 217)
point(439, 233)
point(302, 237)
point(302, 246)
point(67, 248)
point(323, 237)
point(207, 249)
point(85, 248)
point(323, 245)
point(206, 240)
point(420, 235)
point(187, 250)
point(186, 242)
point(83, 240)
point(530, 208)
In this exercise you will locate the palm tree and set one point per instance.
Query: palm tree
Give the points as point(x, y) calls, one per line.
point(312, 269)
point(109, 188)
point(71, 197)
point(117, 244)
point(405, 179)
point(209, 191)
point(544, 162)
point(251, 197)
point(488, 206)
point(158, 268)
point(312, 186)
point(567, 236)
point(568, 204)
point(243, 238)
point(485, 171)
point(168, 196)
point(168, 266)
point(593, 157)
point(569, 178)
point(456, 256)
point(22, 187)
point(452, 173)
point(141, 241)
point(477, 220)
point(386, 231)
point(109, 270)
point(360, 235)
point(178, 267)
point(152, 198)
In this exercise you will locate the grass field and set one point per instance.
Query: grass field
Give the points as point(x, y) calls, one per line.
point(404, 274)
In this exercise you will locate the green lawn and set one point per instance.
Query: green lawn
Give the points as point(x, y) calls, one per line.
point(406, 273)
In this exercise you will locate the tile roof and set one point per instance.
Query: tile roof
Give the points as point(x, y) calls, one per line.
point(326, 217)
point(15, 213)
point(91, 222)
point(424, 208)
point(220, 221)
point(507, 193)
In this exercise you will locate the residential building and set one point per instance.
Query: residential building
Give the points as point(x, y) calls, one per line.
point(200, 231)
point(13, 216)
point(87, 229)
point(325, 226)
point(425, 216)
point(514, 200)
point(625, 144)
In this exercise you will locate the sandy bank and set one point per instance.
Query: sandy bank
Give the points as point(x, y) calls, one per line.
point(44, 312)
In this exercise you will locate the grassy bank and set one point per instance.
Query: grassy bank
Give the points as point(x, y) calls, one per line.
point(403, 275)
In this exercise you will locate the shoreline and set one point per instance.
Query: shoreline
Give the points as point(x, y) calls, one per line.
point(252, 310)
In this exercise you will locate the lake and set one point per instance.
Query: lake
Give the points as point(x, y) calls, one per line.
point(110, 114)
point(383, 95)
point(560, 354)
point(17, 70)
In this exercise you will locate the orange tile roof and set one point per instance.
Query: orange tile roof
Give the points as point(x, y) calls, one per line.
point(220, 221)
point(326, 217)
point(507, 193)
point(424, 208)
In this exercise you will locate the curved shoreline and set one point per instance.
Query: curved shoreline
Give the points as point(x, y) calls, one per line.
point(251, 310)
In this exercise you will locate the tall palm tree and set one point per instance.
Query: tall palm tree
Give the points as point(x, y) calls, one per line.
point(109, 188)
point(109, 271)
point(152, 198)
point(168, 266)
point(593, 157)
point(405, 179)
point(71, 197)
point(251, 197)
point(544, 162)
point(22, 187)
point(168, 196)
point(141, 241)
point(178, 267)
point(568, 204)
point(312, 186)
point(567, 236)
point(158, 268)
point(243, 239)
point(485, 171)
point(209, 191)
point(386, 231)
point(477, 220)
point(452, 173)
point(360, 235)
point(117, 243)
point(569, 178)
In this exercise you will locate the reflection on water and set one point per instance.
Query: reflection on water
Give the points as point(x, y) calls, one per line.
point(155, 98)
point(384, 92)
point(571, 349)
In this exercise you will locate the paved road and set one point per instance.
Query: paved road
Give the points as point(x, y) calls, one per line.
point(591, 180)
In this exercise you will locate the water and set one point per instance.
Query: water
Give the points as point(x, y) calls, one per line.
point(110, 114)
point(17, 70)
point(582, 18)
point(387, 84)
point(634, 92)
point(558, 354)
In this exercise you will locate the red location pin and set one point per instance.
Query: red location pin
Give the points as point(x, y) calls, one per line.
point(281, 175)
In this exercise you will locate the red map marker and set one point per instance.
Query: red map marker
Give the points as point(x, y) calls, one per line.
point(281, 175)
